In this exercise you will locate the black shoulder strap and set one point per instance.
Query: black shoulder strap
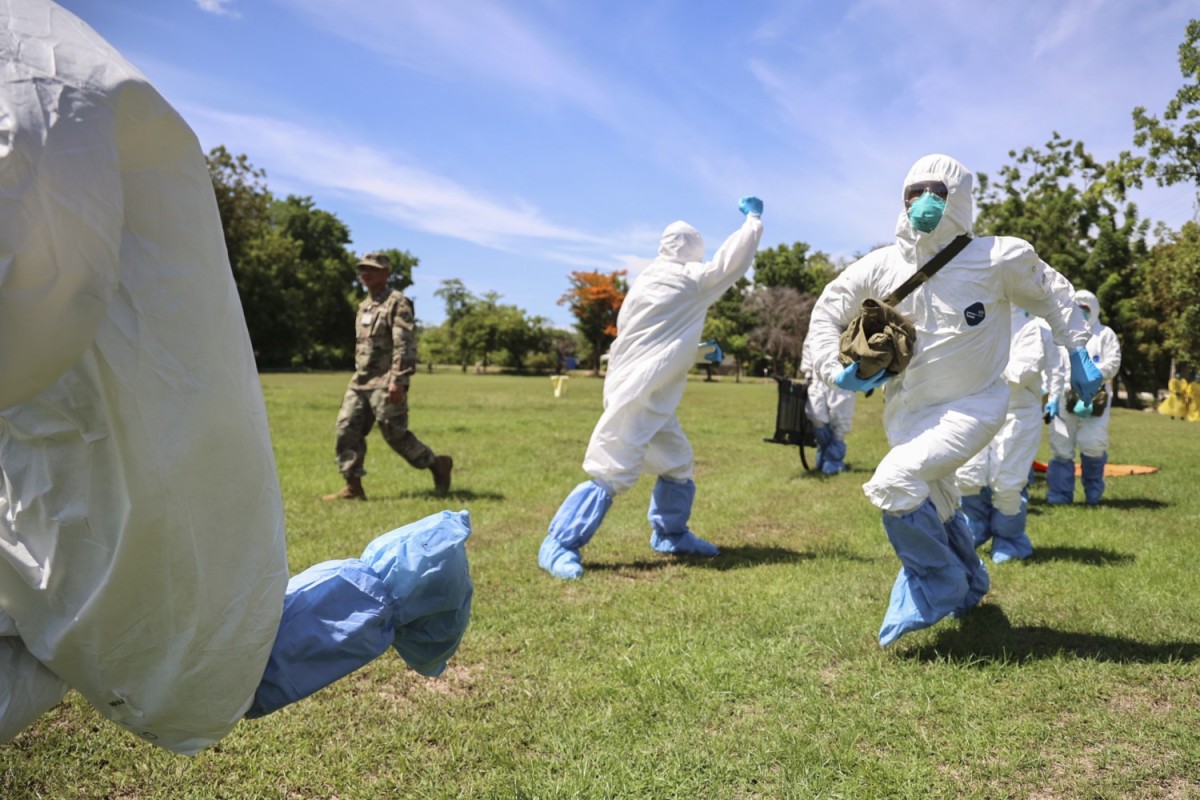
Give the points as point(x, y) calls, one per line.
point(926, 272)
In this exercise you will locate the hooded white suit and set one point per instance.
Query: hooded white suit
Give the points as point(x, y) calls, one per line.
point(993, 480)
point(658, 328)
point(952, 399)
point(142, 556)
point(1069, 431)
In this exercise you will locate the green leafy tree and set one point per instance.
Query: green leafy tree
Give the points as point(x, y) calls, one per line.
point(242, 199)
point(730, 321)
point(1170, 298)
point(291, 267)
point(1063, 201)
point(792, 265)
point(317, 289)
point(1173, 142)
point(595, 300)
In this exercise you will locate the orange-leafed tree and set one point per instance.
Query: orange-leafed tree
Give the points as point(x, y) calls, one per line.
point(595, 298)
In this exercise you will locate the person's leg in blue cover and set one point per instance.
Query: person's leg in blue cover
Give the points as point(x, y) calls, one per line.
point(977, 508)
point(940, 573)
point(824, 436)
point(411, 590)
point(670, 508)
point(1091, 470)
point(573, 526)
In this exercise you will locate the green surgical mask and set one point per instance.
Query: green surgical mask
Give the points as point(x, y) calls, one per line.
point(926, 212)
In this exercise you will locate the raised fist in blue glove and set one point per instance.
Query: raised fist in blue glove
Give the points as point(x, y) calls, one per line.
point(751, 205)
point(1082, 409)
point(1086, 379)
point(851, 381)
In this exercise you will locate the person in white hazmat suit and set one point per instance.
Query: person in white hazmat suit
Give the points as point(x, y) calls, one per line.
point(1077, 425)
point(830, 409)
point(993, 481)
point(142, 557)
point(658, 327)
point(952, 399)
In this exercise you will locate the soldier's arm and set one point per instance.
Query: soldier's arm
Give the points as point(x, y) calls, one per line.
point(404, 343)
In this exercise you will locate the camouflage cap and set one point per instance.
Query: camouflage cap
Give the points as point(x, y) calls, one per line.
point(376, 260)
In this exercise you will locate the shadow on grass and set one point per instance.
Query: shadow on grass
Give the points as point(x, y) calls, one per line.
point(985, 636)
point(457, 495)
point(1093, 556)
point(1040, 506)
point(730, 557)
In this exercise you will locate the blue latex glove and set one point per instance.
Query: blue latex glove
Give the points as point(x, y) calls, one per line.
point(851, 381)
point(1086, 379)
point(1083, 409)
point(1051, 409)
point(751, 205)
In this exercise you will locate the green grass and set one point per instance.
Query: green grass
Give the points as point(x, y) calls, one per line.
point(754, 675)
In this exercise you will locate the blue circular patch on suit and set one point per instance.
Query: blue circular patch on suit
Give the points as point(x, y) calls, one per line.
point(974, 314)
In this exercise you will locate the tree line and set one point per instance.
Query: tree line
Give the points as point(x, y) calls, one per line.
point(297, 276)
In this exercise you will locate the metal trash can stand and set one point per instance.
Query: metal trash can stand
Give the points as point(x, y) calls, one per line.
point(792, 426)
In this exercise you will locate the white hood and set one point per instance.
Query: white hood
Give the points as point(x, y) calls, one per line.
point(681, 243)
point(1085, 298)
point(918, 247)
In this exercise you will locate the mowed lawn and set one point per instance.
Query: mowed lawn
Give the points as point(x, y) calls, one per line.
point(753, 675)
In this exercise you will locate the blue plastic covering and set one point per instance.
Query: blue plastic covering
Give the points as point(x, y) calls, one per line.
point(977, 508)
point(835, 456)
point(573, 526)
point(411, 590)
point(1009, 539)
point(1086, 379)
point(941, 574)
point(1091, 470)
point(670, 508)
point(1060, 481)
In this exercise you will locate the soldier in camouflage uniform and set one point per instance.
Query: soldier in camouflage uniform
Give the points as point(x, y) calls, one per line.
point(384, 360)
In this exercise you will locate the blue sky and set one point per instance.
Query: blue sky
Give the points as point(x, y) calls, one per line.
point(508, 143)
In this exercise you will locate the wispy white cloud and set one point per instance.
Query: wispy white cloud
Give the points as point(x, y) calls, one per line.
point(490, 43)
point(219, 7)
point(386, 185)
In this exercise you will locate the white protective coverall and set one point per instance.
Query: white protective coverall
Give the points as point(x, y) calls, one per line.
point(142, 552)
point(142, 557)
point(952, 399)
point(1089, 434)
point(658, 327)
point(993, 480)
point(831, 411)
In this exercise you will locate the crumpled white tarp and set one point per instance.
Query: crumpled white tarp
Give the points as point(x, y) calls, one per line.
point(142, 558)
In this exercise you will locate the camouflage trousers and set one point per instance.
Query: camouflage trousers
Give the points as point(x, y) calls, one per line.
point(361, 409)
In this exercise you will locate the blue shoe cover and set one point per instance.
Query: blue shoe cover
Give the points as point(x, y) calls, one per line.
point(411, 590)
point(1060, 482)
point(1091, 470)
point(573, 526)
point(424, 567)
point(1009, 540)
point(824, 435)
point(561, 562)
point(977, 508)
point(670, 508)
point(936, 579)
point(835, 456)
point(978, 581)
point(686, 543)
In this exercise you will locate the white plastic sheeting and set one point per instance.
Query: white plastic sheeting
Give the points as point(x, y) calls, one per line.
point(142, 557)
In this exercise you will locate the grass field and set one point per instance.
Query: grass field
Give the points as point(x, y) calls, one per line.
point(753, 675)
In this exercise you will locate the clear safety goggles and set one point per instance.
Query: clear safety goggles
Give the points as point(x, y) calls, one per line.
point(915, 190)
